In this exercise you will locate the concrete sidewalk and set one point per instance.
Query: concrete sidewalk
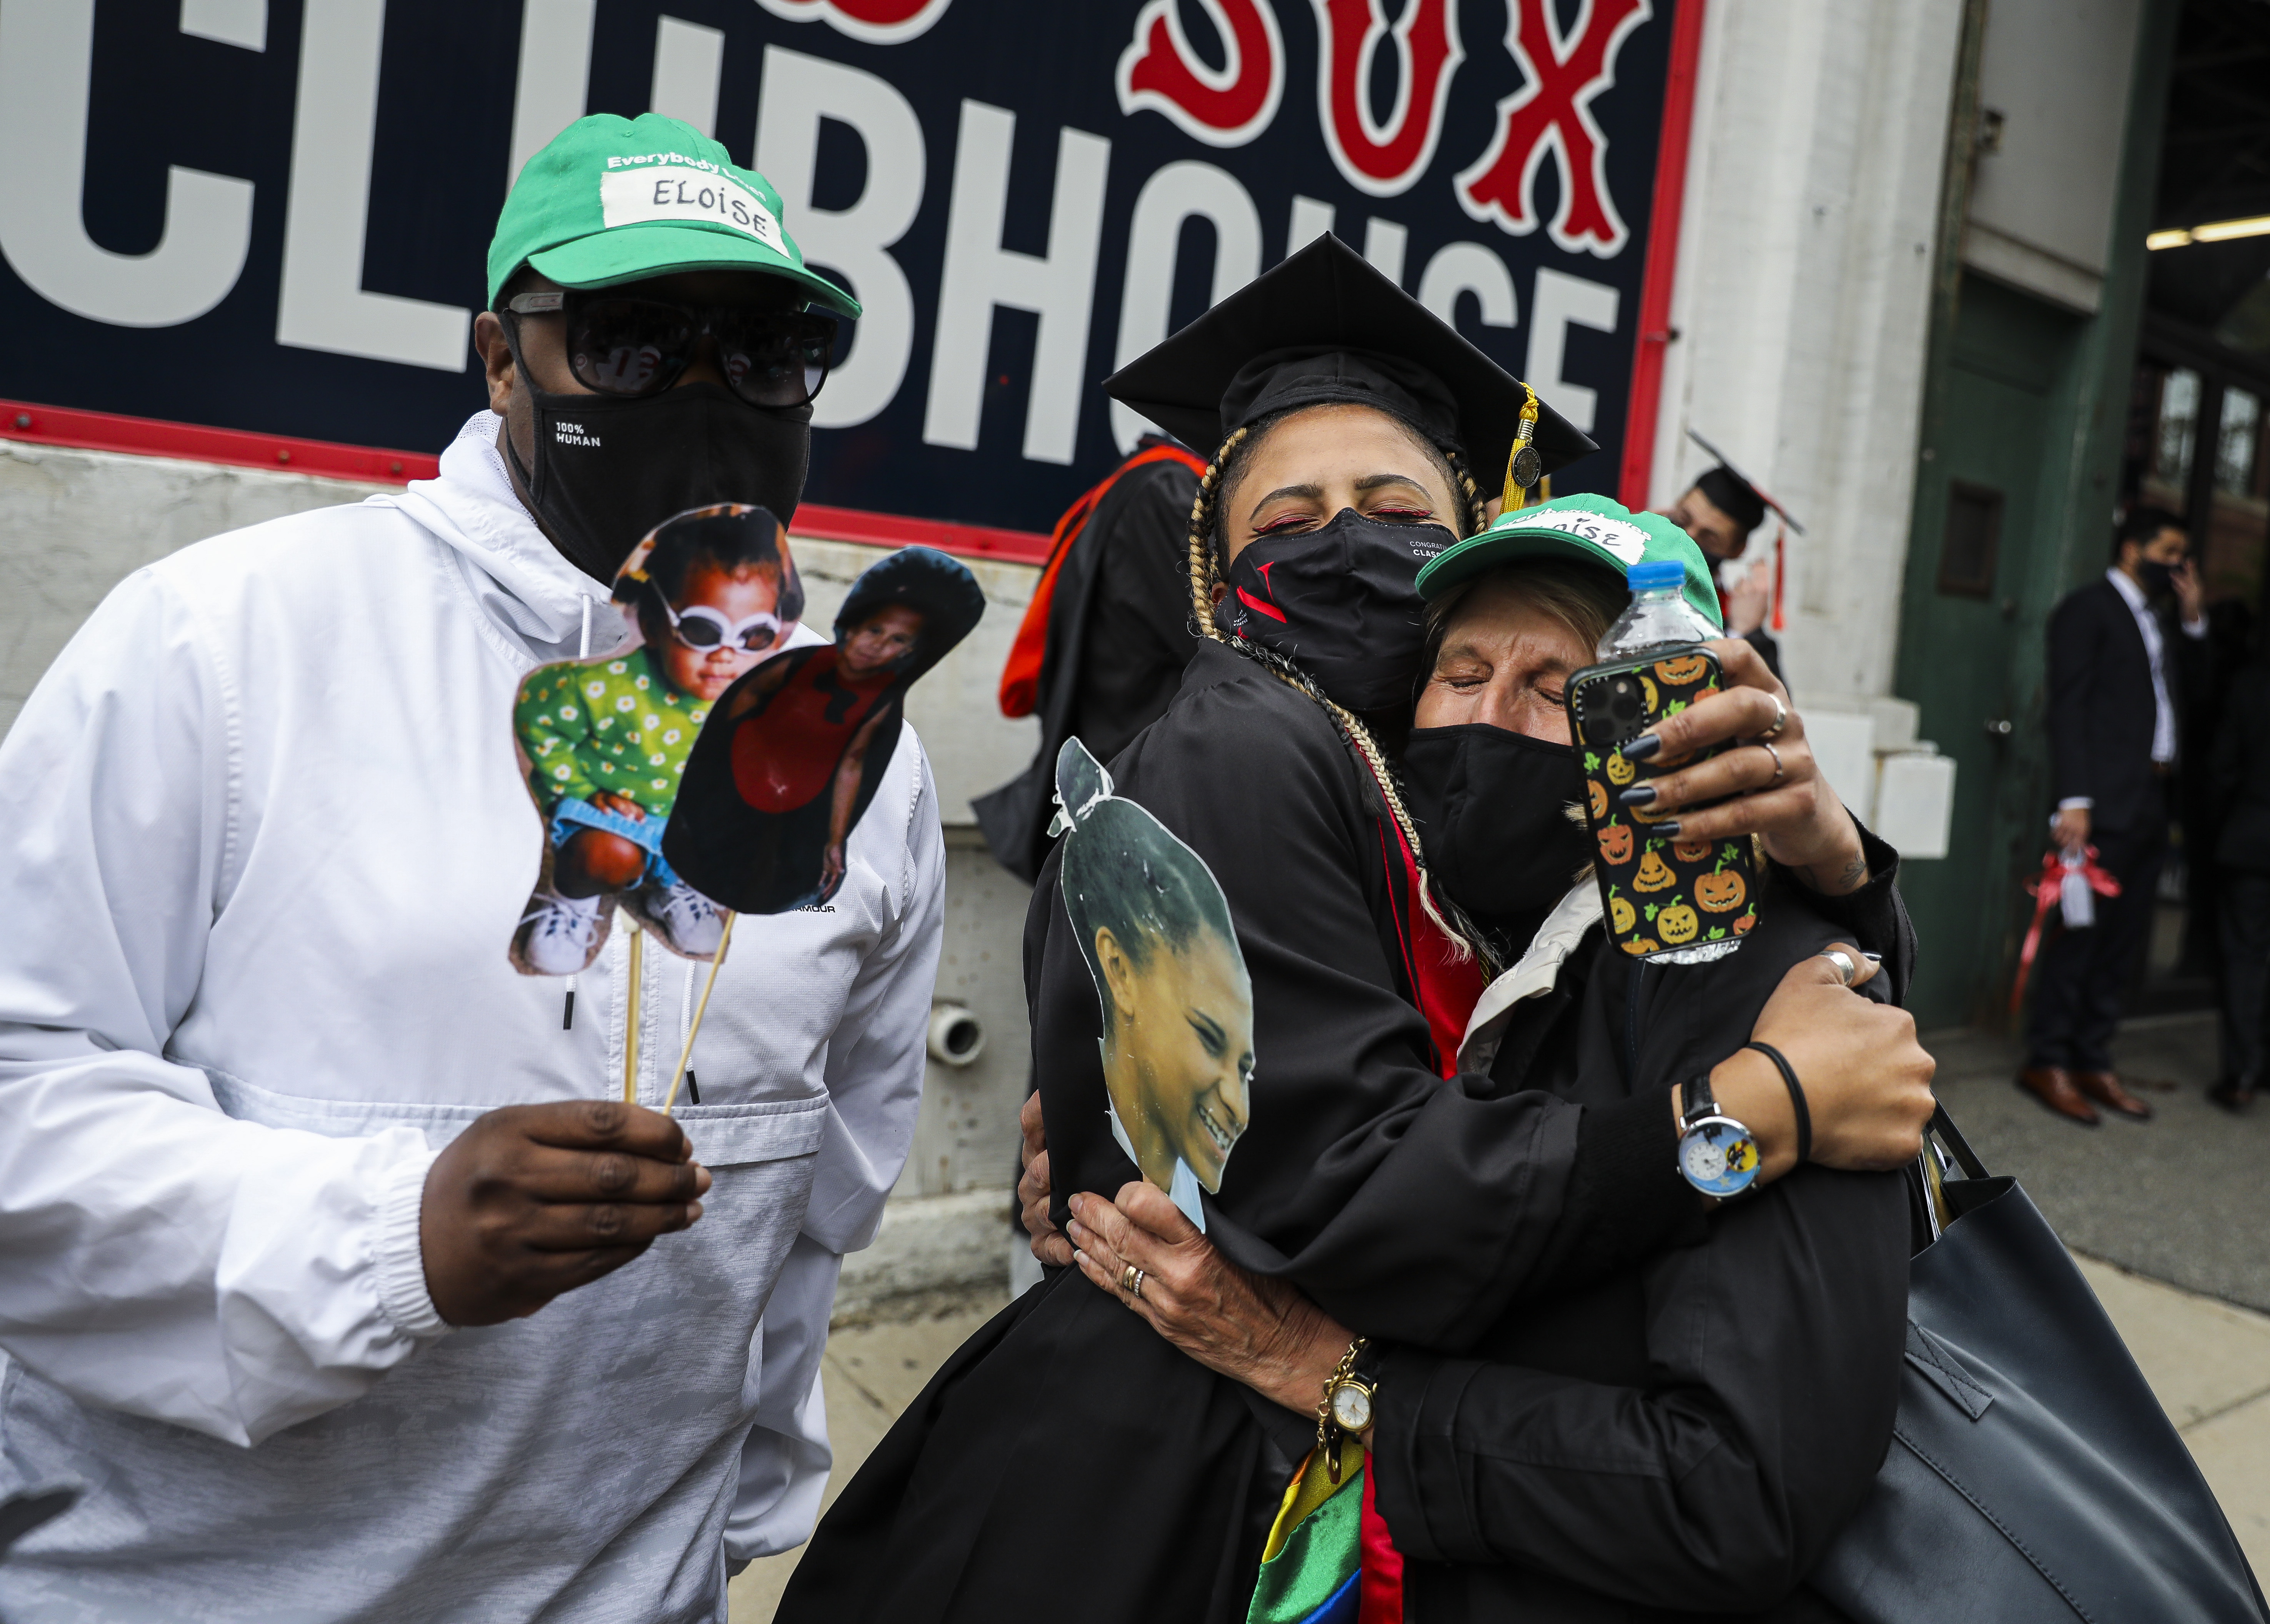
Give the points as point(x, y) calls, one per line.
point(2208, 1361)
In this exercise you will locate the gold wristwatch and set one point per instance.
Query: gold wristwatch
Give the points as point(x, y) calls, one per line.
point(1345, 1412)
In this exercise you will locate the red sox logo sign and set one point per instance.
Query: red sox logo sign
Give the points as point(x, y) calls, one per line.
point(1549, 116)
point(876, 22)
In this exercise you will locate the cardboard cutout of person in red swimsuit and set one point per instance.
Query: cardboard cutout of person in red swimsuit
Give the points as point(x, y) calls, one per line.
point(791, 760)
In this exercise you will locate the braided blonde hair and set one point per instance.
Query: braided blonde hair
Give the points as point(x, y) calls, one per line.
point(1205, 572)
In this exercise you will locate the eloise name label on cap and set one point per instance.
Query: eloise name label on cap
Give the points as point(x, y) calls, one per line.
point(1619, 536)
point(686, 196)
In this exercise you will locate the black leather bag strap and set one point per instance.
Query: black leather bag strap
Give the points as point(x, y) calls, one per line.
point(1965, 1158)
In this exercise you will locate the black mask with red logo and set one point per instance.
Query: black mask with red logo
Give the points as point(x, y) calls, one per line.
point(1342, 602)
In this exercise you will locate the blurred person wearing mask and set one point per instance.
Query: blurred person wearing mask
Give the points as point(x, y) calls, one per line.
point(1719, 513)
point(315, 1215)
point(1103, 642)
point(2118, 667)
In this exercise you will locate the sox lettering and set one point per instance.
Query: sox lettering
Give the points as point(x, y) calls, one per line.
point(1552, 114)
point(1387, 160)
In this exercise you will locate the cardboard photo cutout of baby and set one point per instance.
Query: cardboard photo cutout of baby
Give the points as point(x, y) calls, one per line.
point(780, 778)
point(1178, 1004)
point(604, 743)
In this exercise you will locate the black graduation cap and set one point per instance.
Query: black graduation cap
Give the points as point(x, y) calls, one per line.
point(1325, 326)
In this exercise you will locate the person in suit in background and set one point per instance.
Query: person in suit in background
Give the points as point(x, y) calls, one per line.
point(2116, 664)
point(2238, 795)
point(1718, 512)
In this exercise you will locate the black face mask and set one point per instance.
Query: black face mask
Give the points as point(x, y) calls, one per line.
point(2159, 579)
point(608, 470)
point(1492, 809)
point(1342, 602)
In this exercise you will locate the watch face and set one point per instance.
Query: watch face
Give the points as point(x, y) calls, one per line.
point(1351, 1408)
point(1719, 1157)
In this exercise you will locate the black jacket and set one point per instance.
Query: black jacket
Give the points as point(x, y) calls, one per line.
point(1415, 1208)
point(2102, 711)
point(2240, 773)
point(1679, 1435)
point(1119, 634)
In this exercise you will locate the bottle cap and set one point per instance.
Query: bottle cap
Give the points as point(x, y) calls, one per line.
point(1655, 573)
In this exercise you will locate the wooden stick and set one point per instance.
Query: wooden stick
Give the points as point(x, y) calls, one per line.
point(686, 1055)
point(631, 1017)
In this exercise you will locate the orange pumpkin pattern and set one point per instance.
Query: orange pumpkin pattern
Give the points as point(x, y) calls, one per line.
point(1720, 892)
point(1679, 892)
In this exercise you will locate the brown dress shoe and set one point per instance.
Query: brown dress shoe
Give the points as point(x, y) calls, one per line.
point(2052, 1086)
point(2232, 1095)
point(2104, 1088)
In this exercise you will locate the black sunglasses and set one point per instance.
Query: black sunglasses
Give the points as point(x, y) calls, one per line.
point(632, 345)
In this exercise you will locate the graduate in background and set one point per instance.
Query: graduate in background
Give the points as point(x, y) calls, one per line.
point(1720, 511)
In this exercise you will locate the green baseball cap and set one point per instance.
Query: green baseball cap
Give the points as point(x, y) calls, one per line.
point(1590, 530)
point(614, 199)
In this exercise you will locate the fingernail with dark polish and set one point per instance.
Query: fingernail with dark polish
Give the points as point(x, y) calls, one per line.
point(1668, 828)
point(1638, 795)
point(1643, 747)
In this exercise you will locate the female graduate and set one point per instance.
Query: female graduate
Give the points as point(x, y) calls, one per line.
point(1687, 1434)
point(1068, 1463)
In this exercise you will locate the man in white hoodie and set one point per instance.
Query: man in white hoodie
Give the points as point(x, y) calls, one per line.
point(313, 1211)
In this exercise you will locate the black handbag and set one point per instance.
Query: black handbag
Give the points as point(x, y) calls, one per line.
point(2032, 1478)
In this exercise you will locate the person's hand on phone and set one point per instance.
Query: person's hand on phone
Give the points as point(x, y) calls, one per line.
point(534, 1200)
point(2191, 593)
point(1776, 788)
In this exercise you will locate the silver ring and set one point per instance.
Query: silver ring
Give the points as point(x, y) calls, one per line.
point(1779, 770)
point(1136, 1294)
point(1781, 721)
point(1845, 968)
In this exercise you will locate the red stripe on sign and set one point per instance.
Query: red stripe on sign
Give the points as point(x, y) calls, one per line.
point(110, 430)
point(1662, 269)
point(107, 431)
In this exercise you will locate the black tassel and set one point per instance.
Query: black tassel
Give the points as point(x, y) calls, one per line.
point(693, 1092)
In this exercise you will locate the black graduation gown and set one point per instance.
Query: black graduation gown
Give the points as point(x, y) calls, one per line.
point(1067, 1462)
point(1119, 634)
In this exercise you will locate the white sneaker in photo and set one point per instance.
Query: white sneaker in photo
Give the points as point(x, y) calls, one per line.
point(689, 923)
point(559, 935)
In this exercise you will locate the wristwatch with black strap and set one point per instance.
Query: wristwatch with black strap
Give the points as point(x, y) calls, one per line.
point(1717, 1154)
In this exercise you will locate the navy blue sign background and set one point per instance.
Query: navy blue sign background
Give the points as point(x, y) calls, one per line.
point(271, 351)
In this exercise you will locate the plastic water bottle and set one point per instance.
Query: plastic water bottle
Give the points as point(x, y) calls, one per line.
point(1658, 615)
point(1660, 621)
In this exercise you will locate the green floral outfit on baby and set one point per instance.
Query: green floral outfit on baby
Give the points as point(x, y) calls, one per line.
point(617, 726)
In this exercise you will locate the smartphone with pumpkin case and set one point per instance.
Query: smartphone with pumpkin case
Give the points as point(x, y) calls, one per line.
point(1670, 901)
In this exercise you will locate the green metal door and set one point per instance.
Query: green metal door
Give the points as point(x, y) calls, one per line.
point(1983, 572)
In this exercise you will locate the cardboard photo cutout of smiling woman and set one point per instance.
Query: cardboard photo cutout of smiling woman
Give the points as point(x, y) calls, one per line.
point(777, 781)
point(1154, 927)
